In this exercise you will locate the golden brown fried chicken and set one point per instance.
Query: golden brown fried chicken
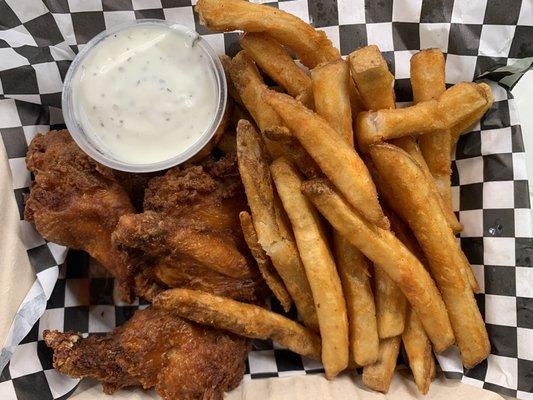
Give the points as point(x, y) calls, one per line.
point(190, 235)
point(135, 185)
point(181, 359)
point(76, 202)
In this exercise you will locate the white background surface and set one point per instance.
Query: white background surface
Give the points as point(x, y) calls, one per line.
point(523, 93)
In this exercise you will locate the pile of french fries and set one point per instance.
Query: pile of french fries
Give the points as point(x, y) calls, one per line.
point(365, 274)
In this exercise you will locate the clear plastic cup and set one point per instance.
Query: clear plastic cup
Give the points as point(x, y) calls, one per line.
point(99, 153)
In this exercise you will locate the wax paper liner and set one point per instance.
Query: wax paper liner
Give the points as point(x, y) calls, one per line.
point(490, 39)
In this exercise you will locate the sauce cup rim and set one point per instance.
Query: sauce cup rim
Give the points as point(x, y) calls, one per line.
point(100, 154)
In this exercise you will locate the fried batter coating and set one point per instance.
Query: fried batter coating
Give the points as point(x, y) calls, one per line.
point(189, 234)
point(76, 202)
point(181, 359)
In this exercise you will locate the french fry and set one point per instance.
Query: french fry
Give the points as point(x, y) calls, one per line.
point(387, 252)
point(372, 76)
point(336, 159)
point(277, 63)
point(386, 191)
point(355, 278)
point(457, 104)
point(376, 85)
point(311, 46)
point(469, 274)
point(250, 86)
point(465, 103)
point(242, 319)
point(273, 236)
point(419, 206)
point(319, 267)
point(355, 102)
point(269, 273)
point(433, 367)
point(390, 305)
point(428, 75)
point(331, 81)
point(294, 152)
point(467, 123)
point(331, 90)
point(381, 125)
point(408, 143)
point(415, 340)
point(331, 86)
point(232, 90)
point(427, 81)
point(378, 376)
point(419, 352)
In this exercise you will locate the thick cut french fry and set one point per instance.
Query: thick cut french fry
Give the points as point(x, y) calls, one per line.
point(386, 192)
point(387, 252)
point(243, 319)
point(427, 81)
point(319, 267)
point(250, 87)
point(372, 76)
point(378, 376)
point(273, 236)
point(435, 148)
point(408, 143)
point(355, 278)
point(419, 206)
point(310, 45)
point(465, 103)
point(293, 151)
point(355, 102)
point(433, 370)
point(467, 123)
point(232, 90)
point(331, 90)
point(375, 83)
point(428, 75)
point(268, 272)
point(419, 352)
point(332, 82)
point(415, 340)
point(381, 125)
point(336, 159)
point(457, 104)
point(277, 63)
point(390, 305)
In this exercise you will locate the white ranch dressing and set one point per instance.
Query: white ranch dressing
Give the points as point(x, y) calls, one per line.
point(145, 94)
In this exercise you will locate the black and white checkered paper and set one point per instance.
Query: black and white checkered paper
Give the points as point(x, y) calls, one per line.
point(492, 39)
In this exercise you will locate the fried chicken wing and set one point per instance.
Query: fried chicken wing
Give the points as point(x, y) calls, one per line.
point(189, 234)
point(181, 359)
point(135, 185)
point(76, 202)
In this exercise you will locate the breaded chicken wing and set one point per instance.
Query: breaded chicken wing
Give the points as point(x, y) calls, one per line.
point(181, 359)
point(189, 234)
point(76, 202)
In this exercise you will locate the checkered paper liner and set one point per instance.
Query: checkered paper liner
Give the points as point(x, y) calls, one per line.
point(482, 38)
